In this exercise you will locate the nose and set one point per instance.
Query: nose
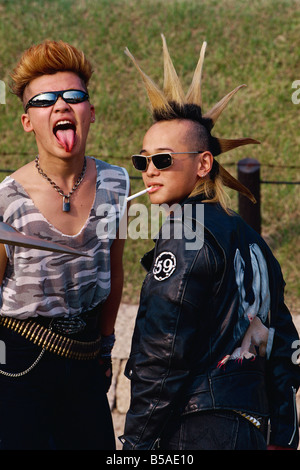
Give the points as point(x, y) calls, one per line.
point(151, 170)
point(61, 105)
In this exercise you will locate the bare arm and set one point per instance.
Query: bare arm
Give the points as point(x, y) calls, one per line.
point(3, 262)
point(111, 306)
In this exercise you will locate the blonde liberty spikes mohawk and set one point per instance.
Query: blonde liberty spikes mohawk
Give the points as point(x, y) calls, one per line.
point(173, 103)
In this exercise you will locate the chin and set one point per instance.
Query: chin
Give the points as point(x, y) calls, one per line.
point(155, 199)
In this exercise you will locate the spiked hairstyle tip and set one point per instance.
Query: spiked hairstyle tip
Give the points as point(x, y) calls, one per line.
point(163, 102)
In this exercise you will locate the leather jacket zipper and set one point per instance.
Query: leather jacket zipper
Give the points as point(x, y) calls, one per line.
point(295, 415)
point(156, 444)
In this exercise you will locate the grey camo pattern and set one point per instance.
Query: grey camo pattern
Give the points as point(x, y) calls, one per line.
point(50, 284)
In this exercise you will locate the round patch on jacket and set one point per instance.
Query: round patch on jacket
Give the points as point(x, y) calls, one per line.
point(164, 266)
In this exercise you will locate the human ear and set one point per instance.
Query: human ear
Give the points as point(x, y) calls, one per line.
point(26, 123)
point(93, 113)
point(205, 164)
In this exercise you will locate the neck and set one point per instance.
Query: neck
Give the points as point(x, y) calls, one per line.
point(61, 168)
point(65, 182)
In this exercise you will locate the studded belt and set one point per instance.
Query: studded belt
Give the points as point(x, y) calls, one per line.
point(48, 337)
point(253, 419)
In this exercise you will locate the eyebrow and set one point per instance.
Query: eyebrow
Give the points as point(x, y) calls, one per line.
point(158, 150)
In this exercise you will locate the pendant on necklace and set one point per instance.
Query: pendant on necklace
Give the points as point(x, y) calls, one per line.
point(66, 204)
point(66, 199)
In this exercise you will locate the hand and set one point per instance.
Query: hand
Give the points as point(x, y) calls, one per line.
point(106, 366)
point(274, 447)
point(107, 343)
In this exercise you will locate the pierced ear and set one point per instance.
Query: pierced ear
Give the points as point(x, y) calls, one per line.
point(26, 123)
point(205, 164)
point(93, 117)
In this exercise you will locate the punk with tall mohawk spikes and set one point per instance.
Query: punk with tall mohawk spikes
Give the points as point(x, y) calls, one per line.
point(172, 103)
point(210, 366)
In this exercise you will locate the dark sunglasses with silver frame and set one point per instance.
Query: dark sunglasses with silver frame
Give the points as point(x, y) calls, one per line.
point(161, 161)
point(49, 98)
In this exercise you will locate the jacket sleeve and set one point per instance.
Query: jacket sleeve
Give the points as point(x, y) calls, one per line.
point(283, 374)
point(164, 343)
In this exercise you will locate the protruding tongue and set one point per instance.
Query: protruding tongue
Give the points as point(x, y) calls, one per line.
point(66, 138)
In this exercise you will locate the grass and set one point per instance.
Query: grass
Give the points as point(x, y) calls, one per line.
point(256, 43)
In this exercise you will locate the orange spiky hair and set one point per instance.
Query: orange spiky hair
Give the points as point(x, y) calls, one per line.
point(172, 103)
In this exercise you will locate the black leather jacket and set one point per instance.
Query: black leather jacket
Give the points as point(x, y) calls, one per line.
point(195, 305)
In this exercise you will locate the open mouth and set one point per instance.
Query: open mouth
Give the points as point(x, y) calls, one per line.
point(154, 187)
point(65, 133)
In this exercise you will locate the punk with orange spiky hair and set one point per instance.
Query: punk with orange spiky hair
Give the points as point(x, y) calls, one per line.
point(55, 308)
point(210, 362)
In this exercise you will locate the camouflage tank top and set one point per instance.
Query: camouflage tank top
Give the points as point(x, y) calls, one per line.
point(51, 284)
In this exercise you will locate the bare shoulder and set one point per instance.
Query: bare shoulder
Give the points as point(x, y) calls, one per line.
point(91, 165)
point(24, 174)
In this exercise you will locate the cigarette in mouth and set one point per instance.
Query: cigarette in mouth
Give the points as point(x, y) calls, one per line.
point(139, 193)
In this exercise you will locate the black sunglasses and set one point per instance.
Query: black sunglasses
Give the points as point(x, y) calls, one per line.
point(161, 161)
point(48, 98)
